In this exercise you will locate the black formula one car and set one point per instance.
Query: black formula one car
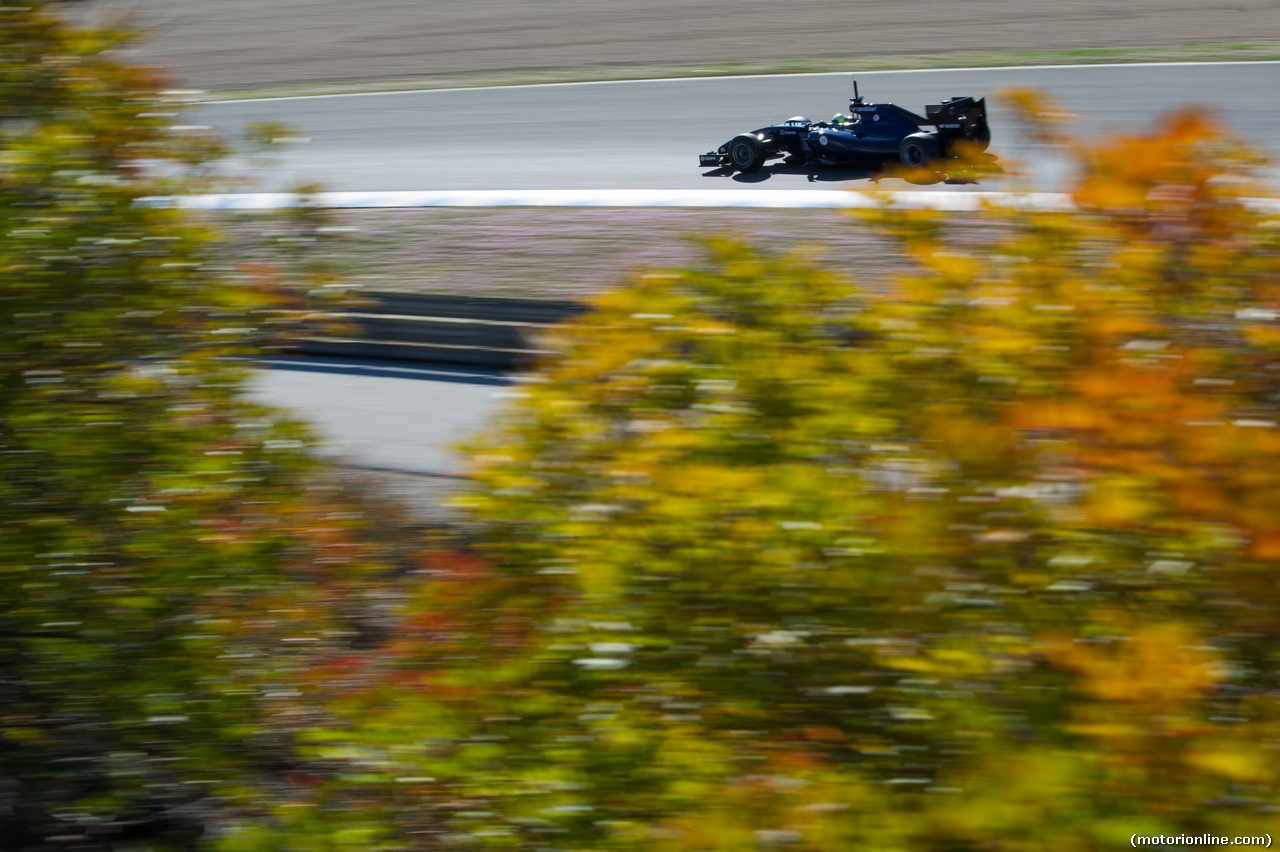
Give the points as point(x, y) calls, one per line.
point(869, 135)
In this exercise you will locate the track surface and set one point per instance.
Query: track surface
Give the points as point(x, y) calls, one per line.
point(235, 44)
point(381, 416)
point(629, 135)
point(624, 134)
point(646, 134)
point(635, 135)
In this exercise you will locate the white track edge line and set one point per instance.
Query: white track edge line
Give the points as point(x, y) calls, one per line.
point(1067, 67)
point(676, 198)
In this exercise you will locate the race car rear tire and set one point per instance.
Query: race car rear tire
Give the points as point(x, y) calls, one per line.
point(919, 151)
point(746, 153)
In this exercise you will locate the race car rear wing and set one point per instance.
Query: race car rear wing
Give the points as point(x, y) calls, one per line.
point(960, 118)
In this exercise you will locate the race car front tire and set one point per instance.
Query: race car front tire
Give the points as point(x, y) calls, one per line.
point(919, 151)
point(746, 153)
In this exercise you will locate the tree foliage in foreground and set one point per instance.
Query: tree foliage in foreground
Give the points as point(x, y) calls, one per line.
point(982, 556)
point(166, 567)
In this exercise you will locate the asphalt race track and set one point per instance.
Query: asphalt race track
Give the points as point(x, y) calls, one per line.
point(641, 135)
point(647, 134)
point(636, 135)
point(383, 416)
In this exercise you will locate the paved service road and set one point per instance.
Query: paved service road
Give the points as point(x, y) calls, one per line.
point(647, 134)
point(381, 416)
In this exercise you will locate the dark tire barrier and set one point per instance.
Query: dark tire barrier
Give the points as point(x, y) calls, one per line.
point(470, 331)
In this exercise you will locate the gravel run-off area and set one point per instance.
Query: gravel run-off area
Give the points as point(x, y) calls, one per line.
point(551, 253)
point(250, 44)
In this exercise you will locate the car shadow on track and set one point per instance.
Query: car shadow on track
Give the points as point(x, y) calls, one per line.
point(837, 174)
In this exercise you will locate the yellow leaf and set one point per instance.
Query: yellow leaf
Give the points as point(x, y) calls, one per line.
point(1119, 501)
point(1232, 762)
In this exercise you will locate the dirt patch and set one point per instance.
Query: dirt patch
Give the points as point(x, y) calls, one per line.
point(247, 44)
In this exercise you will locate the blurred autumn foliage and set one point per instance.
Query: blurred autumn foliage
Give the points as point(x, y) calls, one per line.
point(982, 556)
point(169, 560)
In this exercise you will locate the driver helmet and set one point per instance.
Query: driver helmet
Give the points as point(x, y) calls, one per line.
point(839, 118)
